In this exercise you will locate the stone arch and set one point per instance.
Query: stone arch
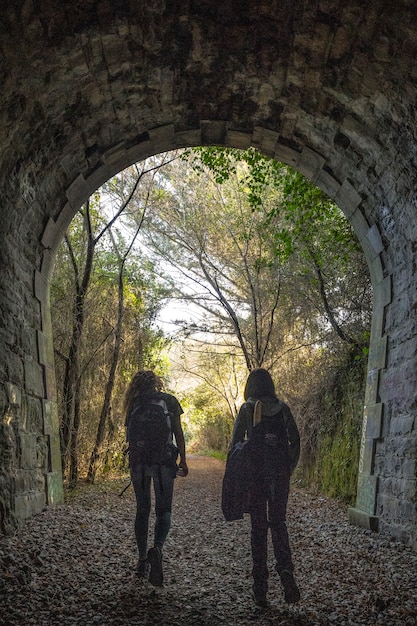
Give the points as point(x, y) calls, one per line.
point(326, 87)
point(309, 163)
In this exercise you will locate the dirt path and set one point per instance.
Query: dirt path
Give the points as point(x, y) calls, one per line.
point(74, 565)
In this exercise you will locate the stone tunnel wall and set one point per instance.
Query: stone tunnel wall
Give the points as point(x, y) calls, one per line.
point(27, 442)
point(328, 87)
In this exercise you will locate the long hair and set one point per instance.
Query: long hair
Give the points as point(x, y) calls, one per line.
point(259, 384)
point(143, 384)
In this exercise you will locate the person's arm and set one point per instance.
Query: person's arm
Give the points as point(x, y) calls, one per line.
point(176, 411)
point(293, 438)
point(180, 441)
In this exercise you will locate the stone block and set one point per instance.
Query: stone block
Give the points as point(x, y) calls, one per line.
point(377, 328)
point(265, 140)
point(190, 138)
point(15, 366)
point(55, 453)
point(348, 199)
point(28, 504)
point(363, 520)
point(54, 488)
point(50, 382)
point(399, 488)
point(48, 261)
point(310, 163)
point(42, 350)
point(114, 154)
point(67, 213)
point(408, 468)
point(286, 155)
point(138, 151)
point(213, 132)
point(367, 453)
point(21, 481)
point(27, 447)
point(34, 419)
point(360, 226)
point(388, 507)
point(367, 492)
point(52, 235)
point(376, 271)
point(93, 182)
point(383, 292)
point(42, 455)
point(378, 353)
point(41, 286)
point(33, 377)
point(327, 183)
point(78, 192)
point(410, 490)
point(372, 386)
point(402, 425)
point(29, 340)
point(50, 418)
point(374, 237)
point(162, 138)
point(237, 139)
point(45, 340)
point(374, 420)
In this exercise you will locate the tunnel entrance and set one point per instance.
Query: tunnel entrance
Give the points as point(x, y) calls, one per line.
point(328, 89)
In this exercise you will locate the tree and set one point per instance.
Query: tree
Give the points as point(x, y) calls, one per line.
point(237, 229)
point(106, 408)
point(82, 263)
point(222, 258)
point(332, 271)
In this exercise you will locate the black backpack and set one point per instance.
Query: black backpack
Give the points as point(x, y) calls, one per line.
point(268, 447)
point(149, 434)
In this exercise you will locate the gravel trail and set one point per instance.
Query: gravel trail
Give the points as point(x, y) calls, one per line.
point(74, 565)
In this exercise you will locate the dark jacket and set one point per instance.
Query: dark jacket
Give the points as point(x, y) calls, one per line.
point(238, 478)
point(270, 406)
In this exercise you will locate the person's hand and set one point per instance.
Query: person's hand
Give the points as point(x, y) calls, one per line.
point(183, 468)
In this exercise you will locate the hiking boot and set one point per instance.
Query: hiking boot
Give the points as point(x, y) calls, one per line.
point(291, 591)
point(156, 575)
point(260, 601)
point(259, 597)
point(142, 568)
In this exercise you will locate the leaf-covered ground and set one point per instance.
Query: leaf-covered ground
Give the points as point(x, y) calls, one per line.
point(74, 564)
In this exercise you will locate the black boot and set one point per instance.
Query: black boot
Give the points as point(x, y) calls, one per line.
point(156, 575)
point(259, 597)
point(291, 591)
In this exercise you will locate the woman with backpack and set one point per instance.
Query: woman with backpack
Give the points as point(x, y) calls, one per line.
point(152, 418)
point(273, 447)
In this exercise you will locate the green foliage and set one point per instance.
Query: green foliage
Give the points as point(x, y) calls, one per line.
point(260, 171)
point(207, 425)
point(331, 463)
point(338, 465)
point(251, 229)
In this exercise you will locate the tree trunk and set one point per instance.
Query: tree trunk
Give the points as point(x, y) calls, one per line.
point(106, 408)
point(73, 448)
point(71, 379)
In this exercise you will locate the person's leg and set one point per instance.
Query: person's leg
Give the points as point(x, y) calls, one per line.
point(163, 480)
point(164, 487)
point(142, 486)
point(277, 512)
point(259, 546)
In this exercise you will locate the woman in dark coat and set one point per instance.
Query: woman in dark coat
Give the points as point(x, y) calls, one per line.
point(277, 452)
